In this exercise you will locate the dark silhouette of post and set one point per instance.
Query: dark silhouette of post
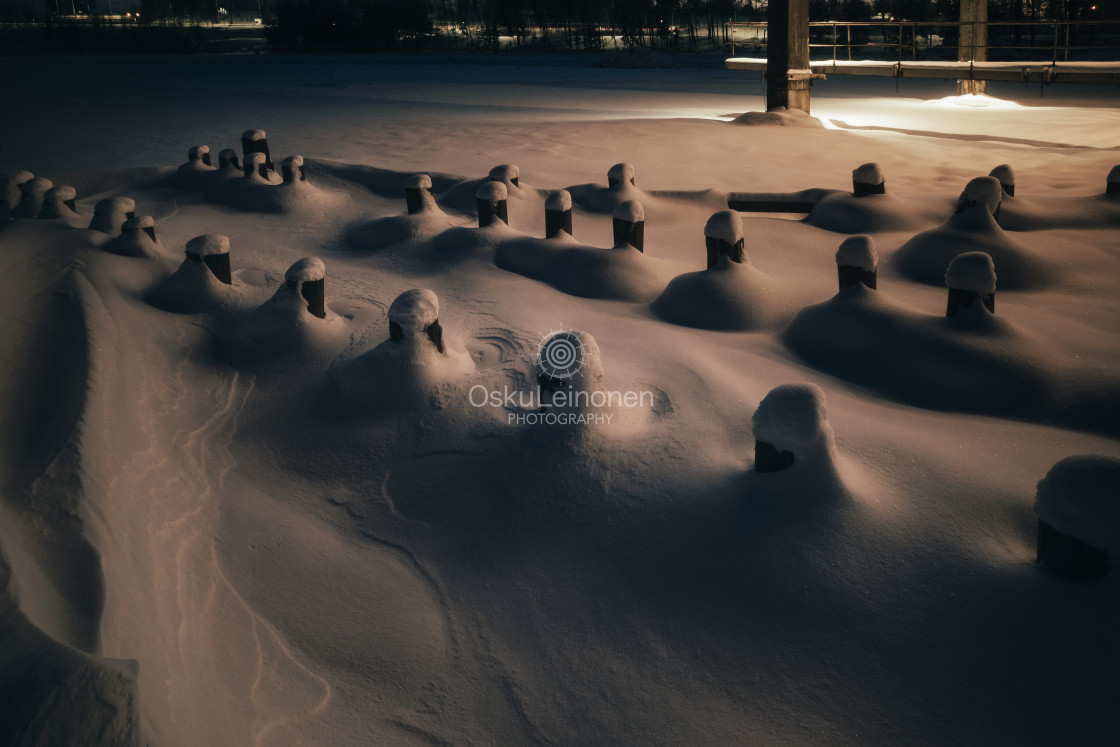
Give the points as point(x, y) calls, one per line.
point(973, 44)
point(787, 55)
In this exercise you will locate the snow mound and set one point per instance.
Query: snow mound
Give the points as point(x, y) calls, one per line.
point(59, 203)
point(983, 192)
point(1006, 176)
point(793, 418)
point(843, 212)
point(194, 287)
point(418, 181)
point(509, 175)
point(858, 251)
point(972, 362)
point(409, 370)
point(973, 228)
point(1080, 496)
point(110, 214)
point(135, 239)
point(727, 296)
point(777, 117)
point(32, 194)
point(972, 271)
point(14, 192)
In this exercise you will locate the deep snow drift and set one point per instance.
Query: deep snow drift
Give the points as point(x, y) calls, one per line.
point(297, 452)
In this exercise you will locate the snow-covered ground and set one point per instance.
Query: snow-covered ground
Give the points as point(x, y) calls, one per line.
point(227, 520)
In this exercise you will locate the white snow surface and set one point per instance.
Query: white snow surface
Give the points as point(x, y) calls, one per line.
point(224, 521)
point(972, 271)
point(858, 251)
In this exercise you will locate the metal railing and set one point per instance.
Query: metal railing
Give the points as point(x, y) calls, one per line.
point(898, 40)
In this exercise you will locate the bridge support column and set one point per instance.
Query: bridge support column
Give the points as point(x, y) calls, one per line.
point(787, 48)
point(973, 45)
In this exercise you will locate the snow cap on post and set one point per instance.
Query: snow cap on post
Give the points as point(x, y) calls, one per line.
point(418, 193)
point(1078, 507)
point(255, 141)
point(256, 166)
point(415, 314)
point(59, 202)
point(868, 180)
point(983, 191)
point(144, 223)
point(199, 154)
point(227, 159)
point(1006, 176)
point(630, 225)
point(507, 173)
point(292, 170)
point(213, 249)
point(111, 213)
point(620, 175)
point(14, 192)
point(790, 422)
point(857, 261)
point(491, 200)
point(558, 213)
point(32, 194)
point(970, 276)
point(723, 234)
point(1112, 184)
point(308, 277)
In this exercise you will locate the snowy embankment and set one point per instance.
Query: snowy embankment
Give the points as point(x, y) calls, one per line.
point(277, 467)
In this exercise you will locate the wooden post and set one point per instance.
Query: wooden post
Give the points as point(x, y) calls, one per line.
point(973, 44)
point(787, 48)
